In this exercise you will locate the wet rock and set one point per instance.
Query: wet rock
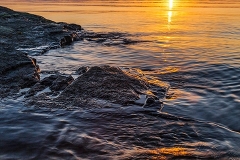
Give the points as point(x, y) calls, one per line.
point(72, 27)
point(35, 34)
point(54, 82)
point(41, 85)
point(36, 88)
point(48, 81)
point(17, 71)
point(107, 83)
point(61, 83)
point(82, 70)
point(67, 40)
point(6, 30)
point(102, 86)
point(23, 34)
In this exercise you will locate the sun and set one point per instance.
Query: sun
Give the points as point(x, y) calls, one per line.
point(170, 4)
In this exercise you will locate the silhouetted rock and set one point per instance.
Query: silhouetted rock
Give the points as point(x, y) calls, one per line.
point(72, 27)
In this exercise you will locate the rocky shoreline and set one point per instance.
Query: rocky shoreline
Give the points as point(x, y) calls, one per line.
point(96, 86)
point(20, 32)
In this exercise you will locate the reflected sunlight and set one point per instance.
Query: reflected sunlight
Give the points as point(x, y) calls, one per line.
point(169, 16)
point(170, 4)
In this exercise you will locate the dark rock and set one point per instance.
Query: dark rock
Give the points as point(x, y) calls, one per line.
point(17, 71)
point(107, 83)
point(82, 70)
point(150, 100)
point(72, 27)
point(67, 40)
point(36, 88)
point(23, 34)
point(61, 83)
point(41, 85)
point(75, 36)
point(55, 32)
point(54, 82)
point(35, 32)
point(48, 81)
point(101, 86)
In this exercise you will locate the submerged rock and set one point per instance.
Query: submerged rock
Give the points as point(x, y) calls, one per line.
point(102, 86)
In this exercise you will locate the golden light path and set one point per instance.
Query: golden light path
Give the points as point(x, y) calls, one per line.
point(169, 16)
point(170, 11)
point(170, 4)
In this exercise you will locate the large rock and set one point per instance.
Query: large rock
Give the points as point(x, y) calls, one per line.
point(107, 83)
point(34, 34)
point(102, 86)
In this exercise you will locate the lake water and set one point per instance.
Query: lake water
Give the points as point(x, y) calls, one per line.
point(192, 45)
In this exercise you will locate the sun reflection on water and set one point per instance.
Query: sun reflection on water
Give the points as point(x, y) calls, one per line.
point(169, 16)
point(170, 6)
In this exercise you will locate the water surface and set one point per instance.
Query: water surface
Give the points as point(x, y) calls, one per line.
point(193, 45)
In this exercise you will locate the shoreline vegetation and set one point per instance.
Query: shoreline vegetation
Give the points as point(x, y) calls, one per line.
point(23, 34)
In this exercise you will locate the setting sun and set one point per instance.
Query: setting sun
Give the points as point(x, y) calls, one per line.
point(170, 4)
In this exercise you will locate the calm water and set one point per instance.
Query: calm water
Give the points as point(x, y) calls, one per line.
point(192, 45)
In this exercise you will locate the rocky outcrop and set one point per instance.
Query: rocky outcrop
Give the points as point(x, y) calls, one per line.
point(23, 34)
point(34, 34)
point(101, 86)
point(106, 83)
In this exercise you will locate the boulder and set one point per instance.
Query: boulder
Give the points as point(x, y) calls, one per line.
point(102, 86)
point(106, 83)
